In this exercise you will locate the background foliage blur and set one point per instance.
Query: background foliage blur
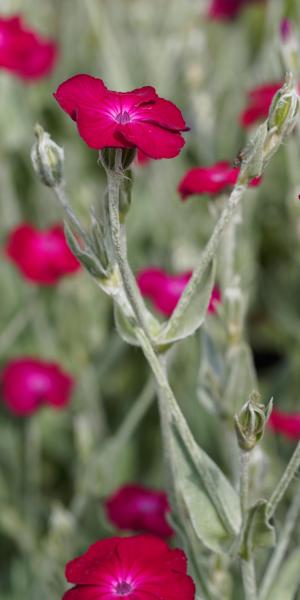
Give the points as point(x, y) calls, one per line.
point(57, 466)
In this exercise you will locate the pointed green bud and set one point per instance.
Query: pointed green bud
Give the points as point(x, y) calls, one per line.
point(284, 108)
point(251, 421)
point(47, 158)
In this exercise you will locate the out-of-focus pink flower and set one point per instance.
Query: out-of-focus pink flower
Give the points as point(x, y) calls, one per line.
point(136, 119)
point(29, 383)
point(210, 180)
point(42, 256)
point(133, 568)
point(24, 52)
point(287, 424)
point(164, 290)
point(141, 509)
point(285, 29)
point(259, 102)
point(227, 10)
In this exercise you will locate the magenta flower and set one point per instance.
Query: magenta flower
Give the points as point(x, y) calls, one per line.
point(41, 256)
point(227, 10)
point(139, 508)
point(288, 424)
point(134, 568)
point(24, 52)
point(29, 383)
point(164, 290)
point(210, 180)
point(136, 119)
point(259, 102)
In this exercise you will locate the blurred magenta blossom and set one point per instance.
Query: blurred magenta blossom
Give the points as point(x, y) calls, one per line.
point(138, 567)
point(42, 257)
point(259, 102)
point(210, 180)
point(226, 10)
point(136, 119)
point(288, 424)
point(29, 383)
point(164, 289)
point(139, 508)
point(24, 52)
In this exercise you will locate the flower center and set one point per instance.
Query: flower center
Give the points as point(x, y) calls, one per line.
point(123, 588)
point(123, 117)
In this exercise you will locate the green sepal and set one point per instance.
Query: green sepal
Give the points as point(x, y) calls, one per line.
point(85, 256)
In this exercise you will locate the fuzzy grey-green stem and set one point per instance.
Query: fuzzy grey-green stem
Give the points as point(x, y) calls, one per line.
point(284, 482)
point(247, 566)
point(63, 201)
point(281, 546)
point(118, 234)
point(249, 582)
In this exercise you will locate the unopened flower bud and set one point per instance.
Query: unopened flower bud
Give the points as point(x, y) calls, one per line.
point(251, 421)
point(284, 109)
point(47, 158)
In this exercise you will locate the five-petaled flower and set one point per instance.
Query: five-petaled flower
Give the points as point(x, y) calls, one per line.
point(29, 383)
point(164, 290)
point(210, 180)
point(288, 424)
point(259, 102)
point(43, 257)
point(138, 508)
point(226, 10)
point(136, 119)
point(24, 52)
point(133, 568)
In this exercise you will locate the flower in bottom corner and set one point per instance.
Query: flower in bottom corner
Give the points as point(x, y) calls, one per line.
point(134, 568)
point(29, 383)
point(139, 508)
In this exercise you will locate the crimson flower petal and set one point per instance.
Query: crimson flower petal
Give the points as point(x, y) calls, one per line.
point(84, 568)
point(153, 140)
point(79, 91)
point(99, 130)
point(165, 114)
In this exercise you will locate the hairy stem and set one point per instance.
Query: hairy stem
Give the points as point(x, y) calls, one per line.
point(114, 179)
point(247, 566)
